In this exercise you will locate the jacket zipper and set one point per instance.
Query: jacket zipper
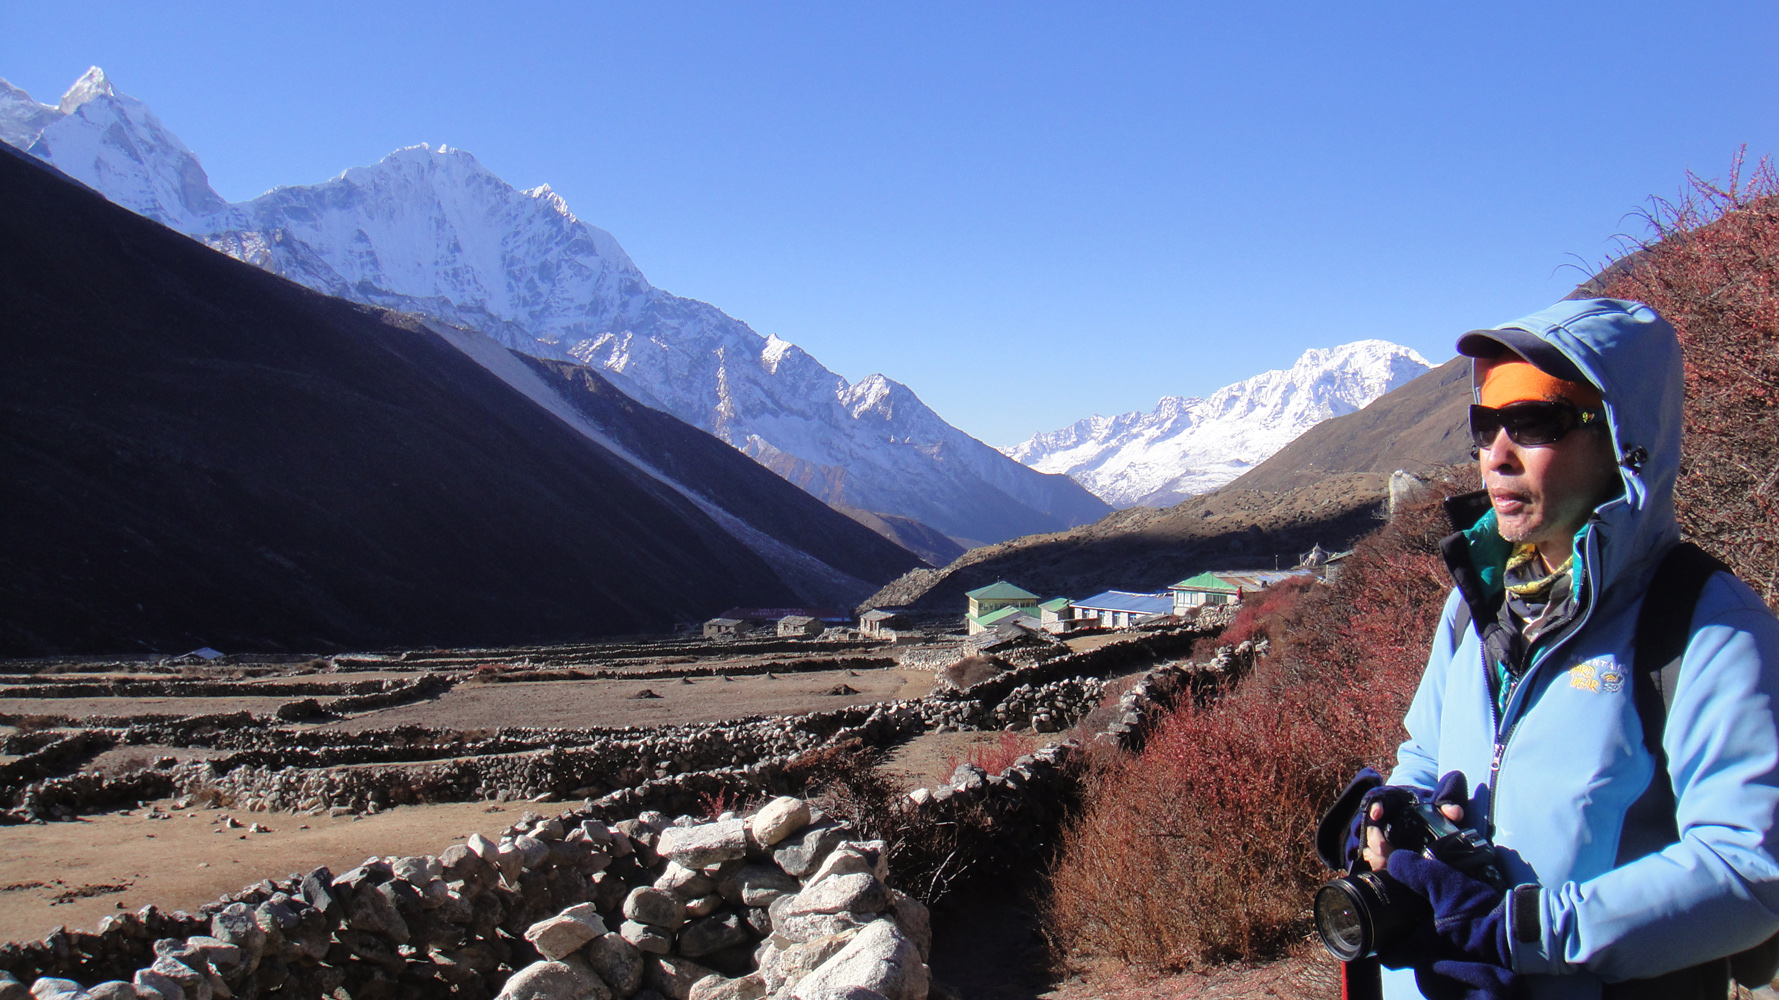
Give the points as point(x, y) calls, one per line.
point(1543, 656)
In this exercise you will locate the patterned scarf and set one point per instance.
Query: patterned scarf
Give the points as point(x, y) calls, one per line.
point(1519, 565)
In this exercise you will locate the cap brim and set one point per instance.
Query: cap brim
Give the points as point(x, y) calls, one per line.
point(1526, 344)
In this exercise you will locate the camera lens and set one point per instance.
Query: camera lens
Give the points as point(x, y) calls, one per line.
point(1342, 921)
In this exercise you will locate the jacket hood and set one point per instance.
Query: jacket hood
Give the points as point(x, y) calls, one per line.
point(1631, 354)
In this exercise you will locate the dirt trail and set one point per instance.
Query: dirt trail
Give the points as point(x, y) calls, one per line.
point(124, 862)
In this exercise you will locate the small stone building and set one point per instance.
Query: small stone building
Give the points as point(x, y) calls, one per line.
point(882, 623)
point(724, 628)
point(800, 626)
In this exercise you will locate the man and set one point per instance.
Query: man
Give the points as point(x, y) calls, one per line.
point(1528, 694)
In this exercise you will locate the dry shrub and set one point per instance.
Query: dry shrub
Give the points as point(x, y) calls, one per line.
point(1711, 267)
point(1198, 849)
point(994, 757)
point(970, 671)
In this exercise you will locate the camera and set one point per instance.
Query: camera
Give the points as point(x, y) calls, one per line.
point(1362, 911)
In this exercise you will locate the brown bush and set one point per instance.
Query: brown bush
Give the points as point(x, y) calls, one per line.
point(994, 757)
point(1711, 266)
point(970, 671)
point(1198, 849)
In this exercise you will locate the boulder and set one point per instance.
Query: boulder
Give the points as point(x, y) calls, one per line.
point(880, 959)
point(704, 845)
point(860, 892)
point(646, 937)
point(757, 885)
point(686, 883)
point(714, 933)
point(778, 819)
point(714, 987)
point(809, 926)
point(672, 977)
point(52, 988)
point(855, 856)
point(648, 905)
point(912, 917)
point(566, 932)
point(569, 980)
point(617, 961)
point(115, 989)
point(787, 966)
point(802, 853)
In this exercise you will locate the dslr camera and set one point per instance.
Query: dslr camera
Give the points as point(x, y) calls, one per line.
point(1362, 911)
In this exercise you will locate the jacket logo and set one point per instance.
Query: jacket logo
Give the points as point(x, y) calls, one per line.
point(1598, 675)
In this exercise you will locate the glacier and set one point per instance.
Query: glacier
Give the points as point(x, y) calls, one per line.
point(429, 230)
point(1187, 446)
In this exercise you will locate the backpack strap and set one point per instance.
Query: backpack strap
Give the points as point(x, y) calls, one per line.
point(1664, 625)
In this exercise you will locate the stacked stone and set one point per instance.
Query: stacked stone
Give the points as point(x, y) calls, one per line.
point(1050, 707)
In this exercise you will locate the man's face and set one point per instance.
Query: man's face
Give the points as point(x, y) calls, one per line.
point(1543, 494)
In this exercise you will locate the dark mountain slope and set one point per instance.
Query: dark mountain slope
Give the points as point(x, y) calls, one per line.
point(196, 451)
point(725, 476)
point(1421, 426)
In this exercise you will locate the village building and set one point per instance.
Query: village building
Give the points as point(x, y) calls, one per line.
point(882, 623)
point(770, 617)
point(800, 626)
point(1121, 608)
point(724, 628)
point(996, 603)
point(1057, 614)
point(1013, 632)
point(1226, 586)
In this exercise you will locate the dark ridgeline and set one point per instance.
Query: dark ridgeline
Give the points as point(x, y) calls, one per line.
point(193, 451)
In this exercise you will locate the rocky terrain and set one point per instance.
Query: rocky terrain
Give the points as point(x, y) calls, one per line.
point(753, 890)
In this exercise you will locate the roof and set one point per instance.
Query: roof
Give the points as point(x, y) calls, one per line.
point(1124, 600)
point(1229, 581)
point(1001, 590)
point(1002, 614)
point(879, 614)
point(724, 621)
point(798, 620)
point(1054, 604)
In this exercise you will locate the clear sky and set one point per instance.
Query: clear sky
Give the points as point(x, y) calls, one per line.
point(1028, 212)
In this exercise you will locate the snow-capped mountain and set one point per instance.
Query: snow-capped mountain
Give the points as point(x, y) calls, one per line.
point(429, 230)
point(1189, 446)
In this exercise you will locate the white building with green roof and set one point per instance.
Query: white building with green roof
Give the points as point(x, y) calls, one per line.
point(998, 602)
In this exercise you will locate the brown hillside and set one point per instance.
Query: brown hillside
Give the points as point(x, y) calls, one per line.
point(1419, 427)
point(1146, 548)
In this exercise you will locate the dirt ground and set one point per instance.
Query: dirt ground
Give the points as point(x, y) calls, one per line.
point(72, 874)
point(611, 703)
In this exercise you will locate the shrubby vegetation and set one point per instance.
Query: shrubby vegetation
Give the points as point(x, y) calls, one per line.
point(1198, 849)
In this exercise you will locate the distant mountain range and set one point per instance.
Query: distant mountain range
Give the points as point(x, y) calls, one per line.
point(431, 232)
point(198, 452)
point(1186, 447)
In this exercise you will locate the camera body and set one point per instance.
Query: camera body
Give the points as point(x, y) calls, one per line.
point(1362, 911)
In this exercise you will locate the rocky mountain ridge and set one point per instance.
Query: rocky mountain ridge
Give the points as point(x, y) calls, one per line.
point(432, 232)
point(1185, 447)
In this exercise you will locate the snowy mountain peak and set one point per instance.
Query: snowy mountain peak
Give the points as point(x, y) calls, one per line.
point(92, 84)
point(1188, 446)
point(22, 118)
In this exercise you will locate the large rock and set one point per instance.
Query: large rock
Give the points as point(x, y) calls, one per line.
point(649, 905)
point(757, 885)
point(803, 853)
point(148, 981)
point(809, 926)
point(672, 977)
point(749, 987)
point(778, 819)
point(646, 937)
point(566, 980)
point(705, 844)
point(855, 856)
point(617, 961)
point(53, 988)
point(686, 883)
point(566, 932)
point(860, 892)
point(115, 989)
point(787, 967)
point(374, 913)
point(713, 933)
point(845, 993)
point(880, 958)
point(911, 915)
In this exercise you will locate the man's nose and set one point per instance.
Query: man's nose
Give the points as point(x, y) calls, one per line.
point(1501, 452)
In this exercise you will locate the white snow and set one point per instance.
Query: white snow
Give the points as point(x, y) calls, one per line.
point(1189, 446)
point(431, 231)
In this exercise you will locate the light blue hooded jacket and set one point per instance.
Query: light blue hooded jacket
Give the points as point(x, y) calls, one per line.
point(1571, 756)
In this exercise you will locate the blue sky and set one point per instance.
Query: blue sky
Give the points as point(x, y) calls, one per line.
point(1027, 212)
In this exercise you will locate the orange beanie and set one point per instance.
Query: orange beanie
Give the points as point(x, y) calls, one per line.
point(1509, 379)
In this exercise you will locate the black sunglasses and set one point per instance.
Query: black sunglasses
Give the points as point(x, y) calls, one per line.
point(1529, 424)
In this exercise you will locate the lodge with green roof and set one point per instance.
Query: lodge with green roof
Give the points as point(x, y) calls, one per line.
point(998, 602)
